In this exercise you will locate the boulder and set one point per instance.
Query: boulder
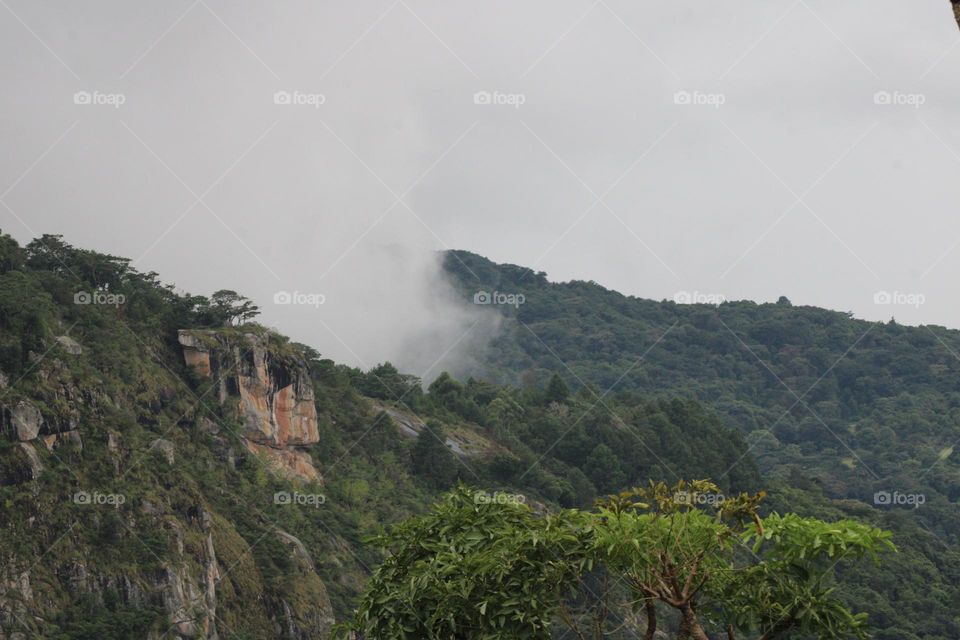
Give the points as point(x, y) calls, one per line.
point(166, 449)
point(70, 345)
point(25, 420)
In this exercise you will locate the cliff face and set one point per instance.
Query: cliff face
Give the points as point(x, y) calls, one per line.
point(268, 392)
point(97, 452)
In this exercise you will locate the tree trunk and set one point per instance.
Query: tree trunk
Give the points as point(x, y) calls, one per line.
point(651, 620)
point(690, 626)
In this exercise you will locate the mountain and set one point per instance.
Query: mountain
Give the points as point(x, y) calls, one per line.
point(841, 415)
point(171, 469)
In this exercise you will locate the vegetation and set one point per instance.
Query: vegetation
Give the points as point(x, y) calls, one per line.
point(834, 410)
point(527, 428)
point(477, 568)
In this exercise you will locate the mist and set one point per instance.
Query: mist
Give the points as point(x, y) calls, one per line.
point(333, 150)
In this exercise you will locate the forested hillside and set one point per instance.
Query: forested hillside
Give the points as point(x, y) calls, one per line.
point(842, 415)
point(171, 469)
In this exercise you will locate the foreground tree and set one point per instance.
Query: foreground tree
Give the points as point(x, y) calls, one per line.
point(720, 566)
point(477, 565)
point(694, 563)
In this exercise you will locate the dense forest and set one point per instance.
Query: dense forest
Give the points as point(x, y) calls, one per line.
point(841, 415)
point(137, 501)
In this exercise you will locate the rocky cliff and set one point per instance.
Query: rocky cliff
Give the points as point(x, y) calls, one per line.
point(270, 394)
point(117, 492)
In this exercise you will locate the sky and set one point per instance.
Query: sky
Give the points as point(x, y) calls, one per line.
point(315, 155)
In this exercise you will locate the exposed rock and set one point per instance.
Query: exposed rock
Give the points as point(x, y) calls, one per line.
point(16, 594)
point(287, 462)
point(223, 449)
point(196, 353)
point(56, 440)
point(305, 605)
point(70, 345)
point(166, 448)
point(25, 420)
point(33, 460)
point(207, 425)
point(113, 442)
point(187, 604)
point(271, 393)
point(465, 440)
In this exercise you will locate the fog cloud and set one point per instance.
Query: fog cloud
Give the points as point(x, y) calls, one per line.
point(748, 150)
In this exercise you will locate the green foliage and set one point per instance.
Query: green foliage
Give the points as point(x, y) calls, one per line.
point(88, 619)
point(834, 409)
point(477, 568)
point(432, 459)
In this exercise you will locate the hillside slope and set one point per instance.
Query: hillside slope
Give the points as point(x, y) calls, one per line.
point(167, 472)
point(842, 415)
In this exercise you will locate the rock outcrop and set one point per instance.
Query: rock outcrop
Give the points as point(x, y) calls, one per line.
point(268, 391)
point(23, 420)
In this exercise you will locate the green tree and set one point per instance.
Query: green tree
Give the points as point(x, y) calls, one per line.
point(478, 568)
point(603, 468)
point(232, 307)
point(473, 567)
point(432, 459)
point(557, 390)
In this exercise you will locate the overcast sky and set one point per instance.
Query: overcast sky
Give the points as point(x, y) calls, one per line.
point(748, 150)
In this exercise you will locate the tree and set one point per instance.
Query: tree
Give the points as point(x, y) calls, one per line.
point(603, 468)
point(557, 390)
point(231, 307)
point(473, 567)
point(478, 568)
point(432, 459)
point(682, 546)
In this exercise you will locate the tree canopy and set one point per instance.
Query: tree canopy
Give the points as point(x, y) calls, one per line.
point(694, 562)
